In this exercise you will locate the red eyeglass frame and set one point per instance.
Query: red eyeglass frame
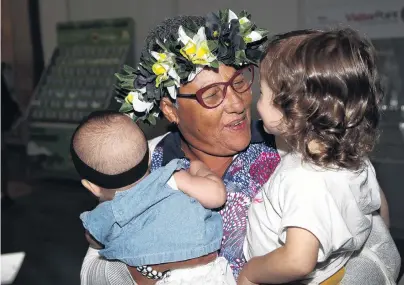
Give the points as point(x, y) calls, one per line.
point(198, 95)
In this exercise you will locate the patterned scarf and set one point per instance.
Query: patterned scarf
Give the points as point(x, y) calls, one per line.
point(244, 178)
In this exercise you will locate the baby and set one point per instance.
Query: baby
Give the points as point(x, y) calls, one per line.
point(163, 235)
point(320, 92)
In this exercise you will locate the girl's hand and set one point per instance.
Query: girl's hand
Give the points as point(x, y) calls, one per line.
point(243, 280)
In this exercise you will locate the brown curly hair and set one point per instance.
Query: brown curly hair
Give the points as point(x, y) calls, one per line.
point(327, 86)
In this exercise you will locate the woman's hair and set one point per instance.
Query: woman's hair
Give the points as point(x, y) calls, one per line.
point(169, 28)
point(327, 86)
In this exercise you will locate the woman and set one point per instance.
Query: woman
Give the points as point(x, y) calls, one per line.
point(198, 72)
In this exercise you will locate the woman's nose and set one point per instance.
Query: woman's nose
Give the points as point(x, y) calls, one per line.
point(234, 102)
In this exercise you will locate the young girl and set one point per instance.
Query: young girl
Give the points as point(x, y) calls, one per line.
point(321, 94)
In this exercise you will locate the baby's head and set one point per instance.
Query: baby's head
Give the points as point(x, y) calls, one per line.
point(321, 92)
point(109, 152)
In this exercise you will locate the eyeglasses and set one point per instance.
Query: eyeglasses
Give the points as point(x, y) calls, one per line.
point(213, 95)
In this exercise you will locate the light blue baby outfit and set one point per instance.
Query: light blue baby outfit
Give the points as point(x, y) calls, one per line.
point(152, 223)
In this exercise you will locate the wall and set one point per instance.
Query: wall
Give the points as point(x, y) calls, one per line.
point(276, 15)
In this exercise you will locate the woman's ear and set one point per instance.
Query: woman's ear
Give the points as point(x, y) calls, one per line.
point(169, 110)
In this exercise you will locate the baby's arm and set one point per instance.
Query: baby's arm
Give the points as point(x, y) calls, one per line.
point(202, 184)
point(291, 262)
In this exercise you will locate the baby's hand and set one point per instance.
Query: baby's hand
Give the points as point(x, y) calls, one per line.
point(196, 166)
point(202, 184)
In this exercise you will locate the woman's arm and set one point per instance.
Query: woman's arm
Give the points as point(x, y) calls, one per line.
point(96, 270)
point(384, 209)
point(92, 241)
point(202, 184)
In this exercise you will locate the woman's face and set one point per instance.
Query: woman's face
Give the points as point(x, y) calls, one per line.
point(221, 131)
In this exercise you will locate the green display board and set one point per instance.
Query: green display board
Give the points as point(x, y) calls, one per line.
point(78, 80)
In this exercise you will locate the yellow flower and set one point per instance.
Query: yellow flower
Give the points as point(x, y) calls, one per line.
point(188, 50)
point(164, 68)
point(215, 34)
point(196, 50)
point(244, 20)
point(161, 78)
point(158, 69)
point(129, 98)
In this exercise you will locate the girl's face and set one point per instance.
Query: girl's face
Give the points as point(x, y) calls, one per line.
point(271, 116)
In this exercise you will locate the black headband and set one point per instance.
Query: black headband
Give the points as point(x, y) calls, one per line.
point(105, 180)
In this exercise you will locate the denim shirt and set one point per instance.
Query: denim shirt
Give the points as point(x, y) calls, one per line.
point(152, 223)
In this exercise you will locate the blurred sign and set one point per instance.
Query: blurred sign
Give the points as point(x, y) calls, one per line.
point(376, 19)
point(78, 80)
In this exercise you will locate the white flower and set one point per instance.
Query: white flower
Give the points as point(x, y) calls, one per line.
point(232, 16)
point(139, 104)
point(192, 74)
point(252, 37)
point(172, 90)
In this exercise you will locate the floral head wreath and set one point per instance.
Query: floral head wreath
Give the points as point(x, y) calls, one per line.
point(226, 38)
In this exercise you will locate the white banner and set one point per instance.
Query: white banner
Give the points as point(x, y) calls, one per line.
point(374, 18)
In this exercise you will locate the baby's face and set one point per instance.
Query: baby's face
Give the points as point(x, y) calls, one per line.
point(271, 116)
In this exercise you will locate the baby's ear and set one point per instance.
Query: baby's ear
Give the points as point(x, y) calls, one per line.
point(96, 190)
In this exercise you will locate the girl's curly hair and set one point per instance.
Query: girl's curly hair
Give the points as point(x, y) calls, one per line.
point(327, 86)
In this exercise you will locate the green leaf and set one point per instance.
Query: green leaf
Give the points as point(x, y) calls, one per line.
point(189, 33)
point(125, 77)
point(246, 28)
point(151, 119)
point(168, 83)
point(126, 85)
point(262, 32)
point(240, 54)
point(224, 15)
point(240, 57)
point(160, 44)
point(128, 69)
point(126, 107)
point(244, 13)
point(212, 45)
point(214, 64)
point(183, 74)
